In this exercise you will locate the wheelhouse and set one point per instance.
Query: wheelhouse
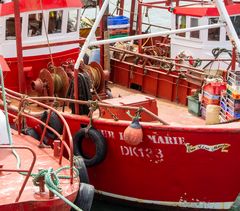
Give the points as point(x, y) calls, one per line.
point(202, 42)
point(41, 22)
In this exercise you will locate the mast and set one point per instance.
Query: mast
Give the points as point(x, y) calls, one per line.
point(21, 78)
point(139, 25)
point(121, 7)
point(133, 17)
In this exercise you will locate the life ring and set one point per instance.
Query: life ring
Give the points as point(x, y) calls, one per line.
point(54, 122)
point(98, 140)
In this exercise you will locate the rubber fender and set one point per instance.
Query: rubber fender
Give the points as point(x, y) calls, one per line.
point(81, 167)
point(99, 141)
point(83, 93)
point(85, 197)
point(54, 122)
point(31, 132)
point(88, 85)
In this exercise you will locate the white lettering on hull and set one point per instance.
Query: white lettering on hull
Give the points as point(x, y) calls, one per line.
point(152, 155)
point(166, 140)
point(108, 134)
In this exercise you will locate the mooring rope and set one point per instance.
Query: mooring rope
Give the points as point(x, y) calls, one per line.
point(52, 181)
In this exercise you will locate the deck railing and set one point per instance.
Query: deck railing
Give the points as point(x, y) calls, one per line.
point(23, 112)
point(28, 172)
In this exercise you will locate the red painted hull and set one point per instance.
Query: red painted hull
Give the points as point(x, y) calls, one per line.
point(161, 171)
point(53, 205)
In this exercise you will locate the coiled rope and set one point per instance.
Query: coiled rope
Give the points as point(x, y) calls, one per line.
point(52, 181)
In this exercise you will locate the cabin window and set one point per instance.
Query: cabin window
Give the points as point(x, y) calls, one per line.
point(194, 23)
point(213, 34)
point(10, 28)
point(35, 24)
point(181, 24)
point(236, 24)
point(55, 22)
point(72, 21)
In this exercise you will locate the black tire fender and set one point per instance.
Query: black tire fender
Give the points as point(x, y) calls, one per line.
point(81, 167)
point(54, 122)
point(98, 140)
point(85, 197)
point(31, 132)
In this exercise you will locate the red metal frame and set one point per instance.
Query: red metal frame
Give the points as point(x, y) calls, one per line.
point(21, 170)
point(66, 130)
point(21, 77)
point(26, 6)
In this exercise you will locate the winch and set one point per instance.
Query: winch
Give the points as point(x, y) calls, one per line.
point(53, 82)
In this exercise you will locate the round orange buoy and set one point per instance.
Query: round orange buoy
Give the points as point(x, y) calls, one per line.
point(133, 134)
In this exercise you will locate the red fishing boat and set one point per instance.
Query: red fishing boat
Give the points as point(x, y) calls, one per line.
point(33, 175)
point(137, 147)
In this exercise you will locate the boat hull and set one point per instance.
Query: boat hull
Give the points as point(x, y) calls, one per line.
point(50, 205)
point(174, 166)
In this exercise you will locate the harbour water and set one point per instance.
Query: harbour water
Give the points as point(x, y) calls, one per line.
point(103, 205)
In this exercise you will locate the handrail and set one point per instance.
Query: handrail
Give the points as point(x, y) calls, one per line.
point(157, 59)
point(100, 104)
point(67, 134)
point(21, 170)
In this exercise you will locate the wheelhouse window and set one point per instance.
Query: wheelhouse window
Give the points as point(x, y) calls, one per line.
point(10, 28)
point(72, 21)
point(55, 22)
point(35, 24)
point(181, 24)
point(194, 23)
point(236, 24)
point(213, 34)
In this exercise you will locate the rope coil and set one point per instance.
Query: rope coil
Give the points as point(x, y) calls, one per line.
point(52, 181)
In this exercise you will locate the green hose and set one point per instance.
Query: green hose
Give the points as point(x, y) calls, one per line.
point(52, 183)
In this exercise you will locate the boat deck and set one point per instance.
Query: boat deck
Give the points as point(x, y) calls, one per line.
point(171, 112)
point(11, 182)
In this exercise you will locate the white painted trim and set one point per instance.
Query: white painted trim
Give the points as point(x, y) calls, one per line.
point(180, 203)
point(155, 34)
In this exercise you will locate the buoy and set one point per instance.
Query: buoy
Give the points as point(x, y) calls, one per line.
point(133, 134)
